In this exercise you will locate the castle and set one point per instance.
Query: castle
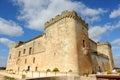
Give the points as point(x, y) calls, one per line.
point(65, 45)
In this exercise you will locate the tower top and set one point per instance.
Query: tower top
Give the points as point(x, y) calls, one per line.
point(64, 14)
point(104, 43)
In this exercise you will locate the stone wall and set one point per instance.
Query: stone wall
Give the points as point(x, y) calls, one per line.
point(61, 45)
point(105, 49)
point(83, 48)
point(65, 45)
point(100, 62)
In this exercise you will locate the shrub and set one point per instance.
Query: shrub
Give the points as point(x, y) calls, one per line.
point(48, 70)
point(86, 72)
point(70, 70)
point(55, 70)
point(109, 72)
point(94, 72)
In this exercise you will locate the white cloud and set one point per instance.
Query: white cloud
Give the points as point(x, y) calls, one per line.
point(10, 28)
point(115, 13)
point(96, 32)
point(37, 12)
point(2, 58)
point(117, 60)
point(92, 12)
point(116, 44)
point(117, 41)
point(115, 48)
point(6, 41)
point(3, 61)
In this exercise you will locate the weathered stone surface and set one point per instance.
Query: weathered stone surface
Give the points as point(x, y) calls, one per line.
point(65, 45)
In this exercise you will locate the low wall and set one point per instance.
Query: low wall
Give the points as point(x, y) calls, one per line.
point(32, 74)
point(65, 78)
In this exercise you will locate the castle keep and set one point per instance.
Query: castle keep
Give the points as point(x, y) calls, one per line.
point(65, 45)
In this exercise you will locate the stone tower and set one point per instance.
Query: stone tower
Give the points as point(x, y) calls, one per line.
point(68, 42)
point(105, 48)
point(65, 45)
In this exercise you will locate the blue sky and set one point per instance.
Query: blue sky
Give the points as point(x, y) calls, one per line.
point(21, 20)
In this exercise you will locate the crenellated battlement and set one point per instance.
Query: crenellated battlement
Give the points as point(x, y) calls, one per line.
point(104, 43)
point(64, 14)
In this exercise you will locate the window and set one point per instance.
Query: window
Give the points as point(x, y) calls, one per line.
point(30, 50)
point(10, 56)
point(19, 53)
point(34, 60)
point(18, 68)
point(28, 69)
point(36, 68)
point(24, 51)
point(25, 61)
point(83, 43)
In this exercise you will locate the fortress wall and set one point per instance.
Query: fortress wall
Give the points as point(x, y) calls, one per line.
point(61, 47)
point(100, 62)
point(64, 45)
point(84, 56)
point(105, 48)
point(93, 46)
point(17, 61)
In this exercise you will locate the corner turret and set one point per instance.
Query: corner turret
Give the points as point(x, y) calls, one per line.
point(105, 48)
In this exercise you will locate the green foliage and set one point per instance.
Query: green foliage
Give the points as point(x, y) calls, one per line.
point(109, 72)
point(9, 78)
point(94, 71)
point(70, 70)
point(48, 70)
point(24, 70)
point(55, 70)
point(86, 72)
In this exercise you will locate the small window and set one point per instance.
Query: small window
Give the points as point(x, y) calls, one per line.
point(24, 51)
point(28, 69)
point(10, 56)
point(30, 50)
point(36, 68)
point(19, 53)
point(34, 60)
point(25, 61)
point(18, 68)
point(83, 43)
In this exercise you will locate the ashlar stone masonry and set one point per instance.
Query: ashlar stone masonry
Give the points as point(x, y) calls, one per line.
point(65, 45)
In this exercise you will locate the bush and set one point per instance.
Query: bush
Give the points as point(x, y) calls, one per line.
point(109, 72)
point(55, 70)
point(70, 70)
point(86, 72)
point(94, 72)
point(48, 70)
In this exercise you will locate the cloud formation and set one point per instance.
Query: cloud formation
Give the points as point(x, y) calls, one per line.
point(96, 32)
point(10, 28)
point(115, 13)
point(116, 44)
point(3, 60)
point(117, 41)
point(36, 13)
point(6, 41)
point(117, 61)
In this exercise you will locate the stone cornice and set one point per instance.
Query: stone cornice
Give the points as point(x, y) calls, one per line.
point(64, 14)
point(104, 43)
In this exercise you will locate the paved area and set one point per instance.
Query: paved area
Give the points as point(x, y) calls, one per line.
point(2, 77)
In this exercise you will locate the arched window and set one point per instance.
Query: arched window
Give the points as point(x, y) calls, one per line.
point(30, 50)
point(25, 61)
point(19, 53)
point(24, 51)
point(83, 43)
point(34, 60)
point(36, 68)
